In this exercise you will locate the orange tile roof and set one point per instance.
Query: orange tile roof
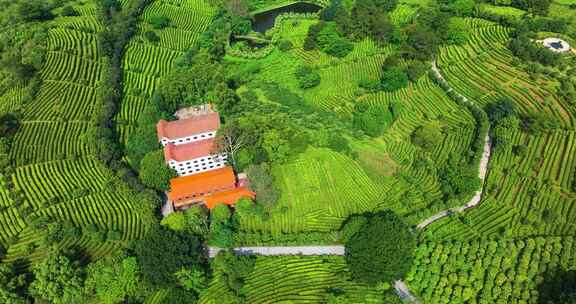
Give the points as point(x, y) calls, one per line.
point(190, 151)
point(184, 186)
point(188, 126)
point(229, 197)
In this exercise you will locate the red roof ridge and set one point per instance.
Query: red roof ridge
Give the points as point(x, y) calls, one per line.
point(188, 126)
point(192, 150)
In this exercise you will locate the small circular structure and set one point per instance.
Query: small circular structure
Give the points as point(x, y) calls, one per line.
point(556, 45)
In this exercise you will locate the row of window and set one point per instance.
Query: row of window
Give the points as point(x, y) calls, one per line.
point(200, 162)
point(192, 138)
point(196, 170)
point(194, 195)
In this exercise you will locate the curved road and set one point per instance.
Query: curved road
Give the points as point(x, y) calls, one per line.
point(401, 288)
point(481, 172)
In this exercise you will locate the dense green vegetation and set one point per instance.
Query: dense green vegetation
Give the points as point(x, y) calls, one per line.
point(345, 136)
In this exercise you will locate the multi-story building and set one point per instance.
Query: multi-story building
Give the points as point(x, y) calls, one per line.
point(195, 157)
point(191, 129)
point(190, 148)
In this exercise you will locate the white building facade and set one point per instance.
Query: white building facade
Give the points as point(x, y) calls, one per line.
point(198, 165)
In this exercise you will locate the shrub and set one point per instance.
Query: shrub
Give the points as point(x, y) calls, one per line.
point(159, 22)
point(393, 78)
point(69, 11)
point(153, 171)
point(427, 137)
point(152, 37)
point(285, 45)
point(307, 77)
point(262, 181)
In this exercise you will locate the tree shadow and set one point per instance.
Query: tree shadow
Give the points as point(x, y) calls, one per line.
point(558, 287)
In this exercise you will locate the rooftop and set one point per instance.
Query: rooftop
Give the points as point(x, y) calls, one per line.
point(188, 126)
point(229, 197)
point(196, 149)
point(184, 186)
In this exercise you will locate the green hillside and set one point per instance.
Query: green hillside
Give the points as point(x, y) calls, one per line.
point(342, 113)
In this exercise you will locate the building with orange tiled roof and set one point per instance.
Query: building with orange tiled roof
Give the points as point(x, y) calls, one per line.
point(191, 129)
point(195, 157)
point(229, 197)
point(190, 148)
point(209, 188)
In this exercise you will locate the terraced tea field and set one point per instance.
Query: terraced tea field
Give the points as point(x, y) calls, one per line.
point(482, 70)
point(146, 62)
point(56, 175)
point(295, 279)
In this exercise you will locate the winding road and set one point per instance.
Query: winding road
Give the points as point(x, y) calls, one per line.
point(401, 288)
point(475, 200)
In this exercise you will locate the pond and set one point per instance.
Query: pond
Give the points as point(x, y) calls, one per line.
point(264, 21)
point(557, 45)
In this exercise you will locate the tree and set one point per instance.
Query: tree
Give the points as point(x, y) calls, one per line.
point(234, 268)
point(8, 125)
point(457, 33)
point(56, 279)
point(427, 137)
point(501, 109)
point(558, 287)
point(372, 120)
point(262, 182)
point(191, 279)
point(9, 284)
point(154, 172)
point(113, 279)
point(159, 22)
point(162, 252)
point(416, 69)
point(34, 10)
point(462, 7)
point(193, 220)
point(152, 37)
point(382, 250)
point(307, 77)
point(231, 139)
point(68, 10)
point(393, 78)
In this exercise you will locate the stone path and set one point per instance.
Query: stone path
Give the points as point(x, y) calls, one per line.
point(481, 172)
point(283, 250)
point(401, 288)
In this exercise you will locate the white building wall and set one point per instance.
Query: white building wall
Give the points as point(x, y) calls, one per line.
point(198, 165)
point(188, 139)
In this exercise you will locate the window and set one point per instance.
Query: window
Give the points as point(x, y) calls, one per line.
point(203, 135)
point(180, 140)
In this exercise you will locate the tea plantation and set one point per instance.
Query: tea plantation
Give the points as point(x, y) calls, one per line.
point(339, 111)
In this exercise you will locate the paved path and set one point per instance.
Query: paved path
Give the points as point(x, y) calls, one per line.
point(404, 293)
point(481, 172)
point(283, 250)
